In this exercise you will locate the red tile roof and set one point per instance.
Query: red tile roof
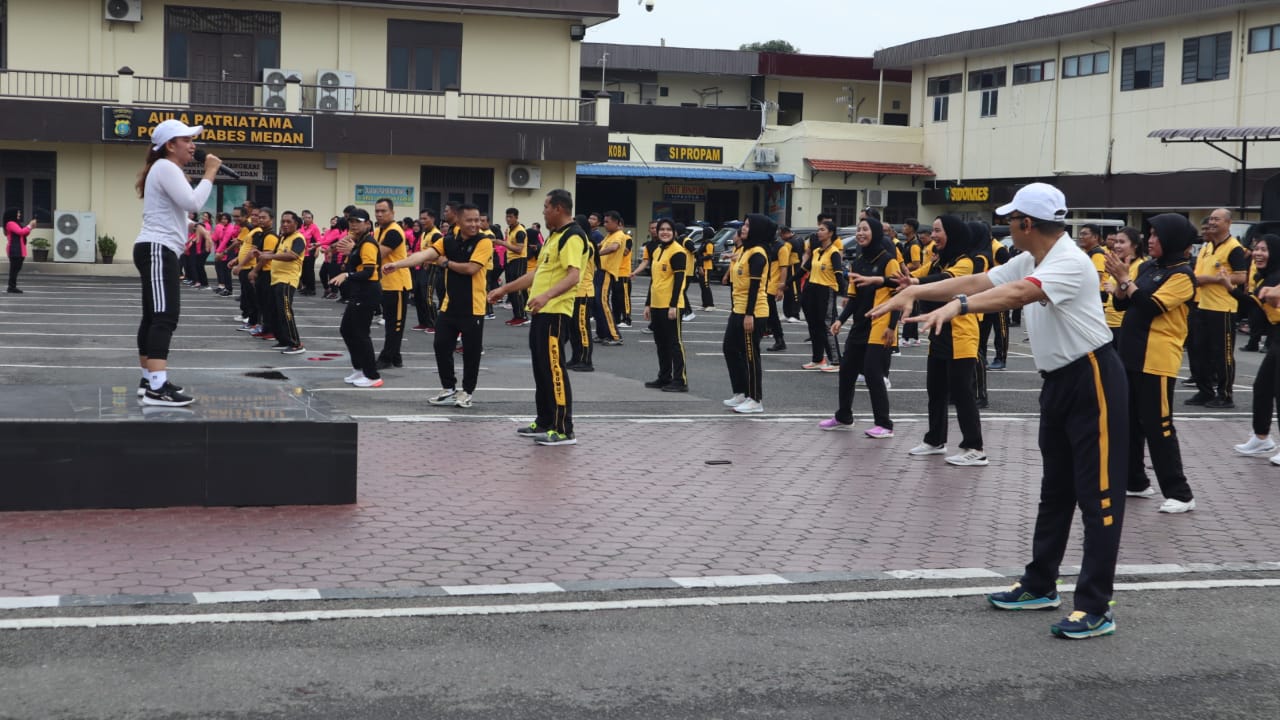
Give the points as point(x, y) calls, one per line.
point(870, 168)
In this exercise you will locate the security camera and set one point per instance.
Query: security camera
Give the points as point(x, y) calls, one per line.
point(648, 5)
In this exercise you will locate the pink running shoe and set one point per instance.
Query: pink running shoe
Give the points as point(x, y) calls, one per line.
point(879, 433)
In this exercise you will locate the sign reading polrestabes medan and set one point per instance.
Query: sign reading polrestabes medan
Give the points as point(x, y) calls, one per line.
point(619, 151)
point(689, 154)
point(247, 129)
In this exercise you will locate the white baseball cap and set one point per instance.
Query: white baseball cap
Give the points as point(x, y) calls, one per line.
point(170, 129)
point(1038, 200)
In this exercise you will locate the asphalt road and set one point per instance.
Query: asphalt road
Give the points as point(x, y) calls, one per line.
point(1177, 654)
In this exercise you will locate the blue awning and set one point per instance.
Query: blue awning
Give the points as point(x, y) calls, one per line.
point(680, 173)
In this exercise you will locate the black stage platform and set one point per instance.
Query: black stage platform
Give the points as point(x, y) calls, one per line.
point(91, 446)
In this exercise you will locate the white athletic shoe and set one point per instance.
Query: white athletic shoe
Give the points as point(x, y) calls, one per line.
point(1145, 492)
point(927, 449)
point(735, 401)
point(447, 396)
point(1275, 460)
point(1177, 506)
point(364, 382)
point(1257, 447)
point(353, 377)
point(888, 385)
point(749, 406)
point(463, 400)
point(968, 458)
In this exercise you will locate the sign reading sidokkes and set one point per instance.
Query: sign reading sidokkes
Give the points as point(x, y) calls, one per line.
point(247, 129)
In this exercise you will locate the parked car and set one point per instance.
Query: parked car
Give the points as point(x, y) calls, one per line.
point(723, 243)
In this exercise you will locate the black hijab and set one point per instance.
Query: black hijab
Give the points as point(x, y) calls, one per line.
point(1176, 234)
point(761, 232)
point(1270, 275)
point(959, 242)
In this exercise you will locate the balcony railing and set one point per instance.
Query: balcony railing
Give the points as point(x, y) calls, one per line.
point(310, 99)
point(57, 86)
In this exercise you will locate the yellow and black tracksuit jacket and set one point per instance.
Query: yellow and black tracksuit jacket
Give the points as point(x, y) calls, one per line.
point(750, 283)
point(518, 236)
point(625, 256)
point(289, 271)
point(1116, 317)
point(465, 295)
point(1229, 255)
point(864, 330)
point(669, 268)
point(392, 238)
point(364, 267)
point(1155, 318)
point(958, 339)
point(824, 264)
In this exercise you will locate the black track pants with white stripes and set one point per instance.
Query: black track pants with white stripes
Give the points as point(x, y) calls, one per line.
point(161, 299)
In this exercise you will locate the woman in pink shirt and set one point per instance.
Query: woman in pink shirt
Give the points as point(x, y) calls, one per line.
point(220, 238)
point(15, 235)
point(332, 259)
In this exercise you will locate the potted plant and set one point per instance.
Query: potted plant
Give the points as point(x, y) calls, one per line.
point(107, 246)
point(40, 249)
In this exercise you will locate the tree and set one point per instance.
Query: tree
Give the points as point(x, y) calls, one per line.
point(778, 46)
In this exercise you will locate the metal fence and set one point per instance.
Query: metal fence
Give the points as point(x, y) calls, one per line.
point(481, 106)
point(57, 86)
point(371, 101)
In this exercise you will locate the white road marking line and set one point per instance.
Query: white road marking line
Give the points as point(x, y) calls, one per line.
point(394, 388)
point(944, 574)
point(720, 581)
point(46, 623)
point(244, 596)
point(20, 603)
point(502, 589)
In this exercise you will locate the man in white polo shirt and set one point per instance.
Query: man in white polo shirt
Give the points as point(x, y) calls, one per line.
point(1083, 437)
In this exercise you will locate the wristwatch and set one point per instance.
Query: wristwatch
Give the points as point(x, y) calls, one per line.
point(1124, 286)
point(964, 303)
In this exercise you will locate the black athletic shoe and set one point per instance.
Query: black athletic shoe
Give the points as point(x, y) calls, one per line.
point(657, 384)
point(281, 346)
point(583, 367)
point(1220, 403)
point(532, 431)
point(776, 347)
point(144, 386)
point(1199, 399)
point(387, 365)
point(15, 291)
point(168, 396)
point(676, 387)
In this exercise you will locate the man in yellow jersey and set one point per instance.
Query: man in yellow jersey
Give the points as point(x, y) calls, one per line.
point(580, 340)
point(516, 241)
point(396, 285)
point(621, 300)
point(560, 265)
point(791, 279)
point(240, 265)
point(749, 315)
point(426, 279)
point(463, 257)
point(779, 267)
point(286, 271)
point(607, 278)
point(264, 243)
point(1221, 266)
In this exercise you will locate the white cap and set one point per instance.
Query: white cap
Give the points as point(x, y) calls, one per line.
point(1038, 200)
point(170, 129)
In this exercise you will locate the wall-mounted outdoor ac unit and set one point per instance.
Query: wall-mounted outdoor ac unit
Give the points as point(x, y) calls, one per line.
point(129, 11)
point(877, 198)
point(766, 156)
point(273, 85)
point(337, 90)
point(74, 236)
point(868, 121)
point(524, 177)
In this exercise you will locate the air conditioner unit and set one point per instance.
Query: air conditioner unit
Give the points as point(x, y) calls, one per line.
point(868, 121)
point(337, 90)
point(129, 11)
point(273, 85)
point(524, 177)
point(766, 156)
point(74, 236)
point(877, 198)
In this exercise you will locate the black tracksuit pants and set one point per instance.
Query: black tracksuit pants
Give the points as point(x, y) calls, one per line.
point(775, 322)
point(515, 269)
point(1151, 421)
point(448, 329)
point(602, 308)
point(356, 319)
point(872, 362)
point(266, 303)
point(161, 298)
point(668, 338)
point(286, 325)
point(395, 306)
point(309, 275)
point(552, 392)
point(1084, 445)
point(15, 267)
point(1266, 389)
point(249, 300)
point(791, 293)
point(580, 337)
point(950, 379)
point(815, 300)
point(1213, 352)
point(621, 300)
point(742, 356)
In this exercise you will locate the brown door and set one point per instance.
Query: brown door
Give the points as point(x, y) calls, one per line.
point(221, 69)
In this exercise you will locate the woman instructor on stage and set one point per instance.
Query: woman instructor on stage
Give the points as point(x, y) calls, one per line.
point(167, 198)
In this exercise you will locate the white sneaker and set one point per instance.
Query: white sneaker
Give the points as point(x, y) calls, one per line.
point(1257, 447)
point(382, 321)
point(1275, 460)
point(927, 449)
point(793, 319)
point(689, 316)
point(749, 406)
point(240, 319)
point(463, 400)
point(1145, 492)
point(968, 458)
point(888, 385)
point(1177, 506)
point(735, 400)
point(365, 382)
point(862, 379)
point(447, 396)
point(353, 377)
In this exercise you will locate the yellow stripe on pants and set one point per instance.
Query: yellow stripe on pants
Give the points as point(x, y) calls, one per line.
point(1104, 441)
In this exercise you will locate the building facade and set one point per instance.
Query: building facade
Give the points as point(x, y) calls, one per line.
point(316, 105)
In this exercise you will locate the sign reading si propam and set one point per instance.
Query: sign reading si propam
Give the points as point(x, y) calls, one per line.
point(246, 129)
point(689, 154)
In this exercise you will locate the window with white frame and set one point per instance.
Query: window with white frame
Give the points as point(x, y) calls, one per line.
point(1142, 67)
point(1098, 63)
point(1206, 58)
point(1034, 72)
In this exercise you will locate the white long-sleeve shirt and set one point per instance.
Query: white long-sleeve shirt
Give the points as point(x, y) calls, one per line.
point(167, 200)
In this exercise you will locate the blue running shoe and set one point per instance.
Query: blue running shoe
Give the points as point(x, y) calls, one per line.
point(1015, 598)
point(1080, 625)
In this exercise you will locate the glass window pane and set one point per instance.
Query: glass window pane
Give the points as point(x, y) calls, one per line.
point(1142, 58)
point(1070, 67)
point(1206, 60)
point(176, 62)
point(1275, 37)
point(1086, 64)
point(423, 69)
point(42, 199)
point(1259, 40)
point(268, 53)
point(398, 68)
point(450, 68)
point(1102, 62)
point(1034, 74)
point(1050, 68)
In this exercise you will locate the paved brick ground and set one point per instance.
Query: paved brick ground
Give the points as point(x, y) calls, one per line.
point(469, 502)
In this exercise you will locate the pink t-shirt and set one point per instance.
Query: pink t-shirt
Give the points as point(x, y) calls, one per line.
point(16, 235)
